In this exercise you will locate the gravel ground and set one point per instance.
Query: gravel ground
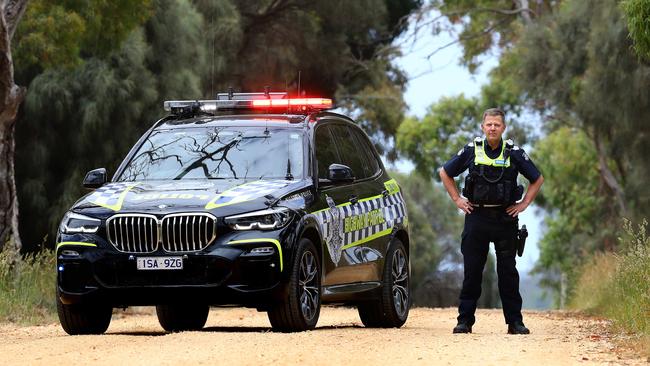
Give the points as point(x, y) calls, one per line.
point(236, 336)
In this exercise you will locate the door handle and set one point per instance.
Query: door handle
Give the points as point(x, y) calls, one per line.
point(353, 199)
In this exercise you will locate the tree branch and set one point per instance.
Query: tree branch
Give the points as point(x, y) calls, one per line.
point(13, 11)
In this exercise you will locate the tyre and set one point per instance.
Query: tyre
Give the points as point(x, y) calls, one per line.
point(181, 317)
point(300, 310)
point(88, 318)
point(392, 309)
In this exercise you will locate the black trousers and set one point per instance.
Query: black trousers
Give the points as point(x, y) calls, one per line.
point(482, 226)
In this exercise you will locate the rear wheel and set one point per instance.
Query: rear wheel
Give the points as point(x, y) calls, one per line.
point(391, 311)
point(180, 317)
point(90, 318)
point(300, 310)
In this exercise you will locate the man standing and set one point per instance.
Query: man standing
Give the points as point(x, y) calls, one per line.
point(491, 208)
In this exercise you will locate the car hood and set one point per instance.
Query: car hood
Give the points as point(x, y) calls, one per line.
point(221, 197)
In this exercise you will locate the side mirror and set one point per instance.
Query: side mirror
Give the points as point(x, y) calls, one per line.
point(95, 178)
point(339, 173)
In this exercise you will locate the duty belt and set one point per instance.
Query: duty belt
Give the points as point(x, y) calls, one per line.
point(481, 205)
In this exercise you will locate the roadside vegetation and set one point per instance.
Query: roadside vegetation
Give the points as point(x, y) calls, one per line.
point(27, 287)
point(616, 285)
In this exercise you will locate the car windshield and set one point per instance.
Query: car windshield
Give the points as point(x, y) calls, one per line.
point(218, 153)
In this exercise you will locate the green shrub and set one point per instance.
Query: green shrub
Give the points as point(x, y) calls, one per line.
point(617, 285)
point(27, 286)
point(631, 288)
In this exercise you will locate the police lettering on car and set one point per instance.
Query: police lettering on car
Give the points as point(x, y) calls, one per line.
point(252, 199)
point(492, 200)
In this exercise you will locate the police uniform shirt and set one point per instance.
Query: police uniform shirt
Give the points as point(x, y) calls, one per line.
point(518, 158)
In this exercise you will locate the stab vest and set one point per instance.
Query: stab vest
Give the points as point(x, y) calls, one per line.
point(492, 182)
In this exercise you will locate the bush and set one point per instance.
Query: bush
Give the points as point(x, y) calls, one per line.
point(617, 285)
point(27, 286)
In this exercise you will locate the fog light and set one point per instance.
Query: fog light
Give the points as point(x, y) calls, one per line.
point(69, 253)
point(262, 250)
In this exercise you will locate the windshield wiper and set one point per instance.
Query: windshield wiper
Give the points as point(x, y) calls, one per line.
point(289, 176)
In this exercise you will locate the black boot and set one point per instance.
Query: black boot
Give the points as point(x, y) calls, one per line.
point(517, 328)
point(462, 328)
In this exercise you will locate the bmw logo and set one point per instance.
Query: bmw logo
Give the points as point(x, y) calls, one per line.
point(162, 206)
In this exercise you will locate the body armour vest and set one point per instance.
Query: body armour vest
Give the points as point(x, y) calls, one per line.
point(492, 182)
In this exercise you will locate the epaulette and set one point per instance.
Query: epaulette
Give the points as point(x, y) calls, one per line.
point(478, 141)
point(508, 148)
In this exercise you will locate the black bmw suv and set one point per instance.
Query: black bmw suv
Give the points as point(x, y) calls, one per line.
point(252, 199)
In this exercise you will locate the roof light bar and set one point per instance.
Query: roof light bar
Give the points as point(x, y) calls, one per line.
point(248, 102)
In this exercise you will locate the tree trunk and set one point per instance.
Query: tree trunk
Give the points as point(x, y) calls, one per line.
point(607, 175)
point(11, 96)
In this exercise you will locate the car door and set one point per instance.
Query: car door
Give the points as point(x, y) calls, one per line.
point(330, 198)
point(364, 224)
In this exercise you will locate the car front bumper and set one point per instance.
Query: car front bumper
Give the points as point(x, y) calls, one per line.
point(226, 272)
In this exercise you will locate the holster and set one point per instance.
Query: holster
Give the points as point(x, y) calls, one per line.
point(522, 234)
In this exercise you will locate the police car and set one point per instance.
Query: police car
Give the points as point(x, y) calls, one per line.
point(251, 199)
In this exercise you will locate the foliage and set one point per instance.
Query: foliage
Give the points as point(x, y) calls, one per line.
point(26, 294)
point(574, 202)
point(447, 127)
point(618, 286)
point(579, 68)
point(488, 24)
point(96, 113)
point(62, 33)
point(638, 23)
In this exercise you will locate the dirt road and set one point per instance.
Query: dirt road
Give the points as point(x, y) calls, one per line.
point(243, 337)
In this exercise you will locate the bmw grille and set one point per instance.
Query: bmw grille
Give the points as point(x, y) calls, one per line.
point(140, 233)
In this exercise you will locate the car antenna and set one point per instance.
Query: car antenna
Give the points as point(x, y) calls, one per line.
point(267, 94)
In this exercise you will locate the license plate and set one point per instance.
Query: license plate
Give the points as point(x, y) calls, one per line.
point(154, 263)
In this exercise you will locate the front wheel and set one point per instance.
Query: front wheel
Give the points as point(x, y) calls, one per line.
point(392, 310)
point(85, 318)
point(300, 310)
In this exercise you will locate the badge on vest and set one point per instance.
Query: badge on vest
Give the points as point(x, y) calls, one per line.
point(499, 162)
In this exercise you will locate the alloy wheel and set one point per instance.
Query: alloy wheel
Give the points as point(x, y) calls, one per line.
point(400, 282)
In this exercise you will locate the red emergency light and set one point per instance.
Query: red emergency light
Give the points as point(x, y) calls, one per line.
point(303, 103)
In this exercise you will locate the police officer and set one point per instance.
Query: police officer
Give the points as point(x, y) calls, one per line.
point(491, 208)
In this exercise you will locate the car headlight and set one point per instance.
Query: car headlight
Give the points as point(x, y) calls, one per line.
point(270, 219)
point(73, 223)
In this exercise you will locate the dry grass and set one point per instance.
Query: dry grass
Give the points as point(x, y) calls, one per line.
point(27, 287)
point(617, 286)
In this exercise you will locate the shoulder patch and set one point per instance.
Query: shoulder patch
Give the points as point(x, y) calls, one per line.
point(471, 144)
point(510, 142)
point(460, 152)
point(516, 147)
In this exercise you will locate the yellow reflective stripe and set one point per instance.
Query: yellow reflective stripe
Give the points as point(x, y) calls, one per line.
point(371, 198)
point(367, 239)
point(349, 203)
point(274, 241)
point(117, 206)
point(235, 199)
point(78, 243)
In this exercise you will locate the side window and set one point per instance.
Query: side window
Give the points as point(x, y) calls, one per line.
point(370, 160)
point(350, 151)
point(326, 153)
